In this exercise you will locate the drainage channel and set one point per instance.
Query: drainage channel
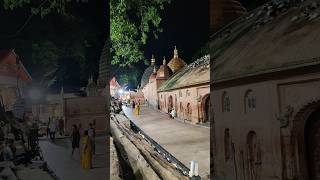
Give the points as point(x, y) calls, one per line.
point(158, 148)
point(125, 168)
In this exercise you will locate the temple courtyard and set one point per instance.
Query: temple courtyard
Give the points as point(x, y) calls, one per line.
point(184, 141)
point(59, 159)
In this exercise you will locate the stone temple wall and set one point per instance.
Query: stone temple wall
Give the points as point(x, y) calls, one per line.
point(86, 110)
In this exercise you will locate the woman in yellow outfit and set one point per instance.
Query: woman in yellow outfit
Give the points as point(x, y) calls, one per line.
point(138, 109)
point(86, 152)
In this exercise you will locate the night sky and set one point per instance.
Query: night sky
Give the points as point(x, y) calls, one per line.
point(90, 18)
point(185, 25)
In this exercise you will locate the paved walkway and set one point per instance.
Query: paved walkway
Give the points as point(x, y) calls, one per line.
point(58, 157)
point(184, 141)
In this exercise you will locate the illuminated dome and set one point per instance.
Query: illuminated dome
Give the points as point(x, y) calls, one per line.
point(147, 72)
point(164, 71)
point(176, 63)
point(153, 76)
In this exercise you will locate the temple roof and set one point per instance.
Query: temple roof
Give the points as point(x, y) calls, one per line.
point(114, 83)
point(147, 73)
point(195, 73)
point(164, 71)
point(223, 12)
point(276, 36)
point(8, 66)
point(176, 63)
point(153, 76)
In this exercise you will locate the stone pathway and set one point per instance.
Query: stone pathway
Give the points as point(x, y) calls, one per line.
point(184, 141)
point(58, 157)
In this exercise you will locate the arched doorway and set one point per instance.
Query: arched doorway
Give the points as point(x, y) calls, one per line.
point(312, 145)
point(305, 133)
point(206, 108)
point(170, 103)
point(189, 112)
point(253, 156)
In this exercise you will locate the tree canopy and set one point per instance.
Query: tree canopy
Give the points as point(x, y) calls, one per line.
point(131, 23)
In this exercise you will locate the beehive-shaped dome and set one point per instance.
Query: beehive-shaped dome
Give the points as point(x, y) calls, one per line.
point(153, 76)
point(147, 73)
point(164, 71)
point(176, 63)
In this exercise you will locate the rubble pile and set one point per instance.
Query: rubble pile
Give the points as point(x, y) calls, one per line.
point(20, 155)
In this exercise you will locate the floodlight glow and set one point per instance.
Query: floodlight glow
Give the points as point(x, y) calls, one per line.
point(35, 94)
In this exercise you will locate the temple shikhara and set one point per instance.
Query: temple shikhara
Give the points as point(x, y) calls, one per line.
point(179, 86)
point(13, 79)
point(265, 92)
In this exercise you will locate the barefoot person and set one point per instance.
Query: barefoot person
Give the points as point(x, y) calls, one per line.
point(86, 152)
point(75, 137)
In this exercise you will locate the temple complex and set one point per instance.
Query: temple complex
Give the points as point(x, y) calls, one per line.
point(265, 93)
point(13, 77)
point(174, 86)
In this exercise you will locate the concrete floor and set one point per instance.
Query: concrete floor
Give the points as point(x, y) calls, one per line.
point(184, 141)
point(67, 167)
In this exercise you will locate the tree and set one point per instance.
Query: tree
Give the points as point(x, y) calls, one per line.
point(50, 42)
point(132, 22)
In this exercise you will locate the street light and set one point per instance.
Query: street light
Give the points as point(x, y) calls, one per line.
point(120, 91)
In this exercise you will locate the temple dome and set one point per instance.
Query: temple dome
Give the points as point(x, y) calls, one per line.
point(176, 63)
point(164, 71)
point(147, 72)
point(153, 76)
point(223, 12)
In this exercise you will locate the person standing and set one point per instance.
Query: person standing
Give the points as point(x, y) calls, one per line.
point(133, 105)
point(86, 152)
point(138, 109)
point(75, 138)
point(80, 129)
point(92, 136)
point(53, 127)
point(61, 126)
point(173, 113)
point(48, 128)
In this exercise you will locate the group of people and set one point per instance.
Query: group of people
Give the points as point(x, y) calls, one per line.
point(55, 125)
point(88, 143)
point(136, 107)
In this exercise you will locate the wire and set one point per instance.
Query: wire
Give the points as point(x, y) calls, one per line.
point(24, 24)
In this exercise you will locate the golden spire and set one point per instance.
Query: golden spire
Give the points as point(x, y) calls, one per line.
point(153, 60)
point(164, 60)
point(175, 52)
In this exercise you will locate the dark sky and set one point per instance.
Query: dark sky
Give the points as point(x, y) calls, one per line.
point(90, 21)
point(186, 25)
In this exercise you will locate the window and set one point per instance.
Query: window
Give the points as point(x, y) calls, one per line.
point(250, 101)
point(187, 93)
point(225, 103)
